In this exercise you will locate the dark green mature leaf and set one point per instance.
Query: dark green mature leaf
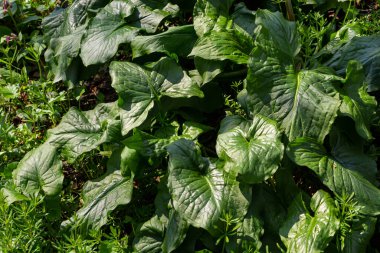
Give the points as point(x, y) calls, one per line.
point(348, 149)
point(265, 196)
point(311, 233)
point(304, 103)
point(119, 22)
point(62, 51)
point(356, 103)
point(80, 132)
point(139, 88)
point(106, 32)
point(150, 236)
point(364, 49)
point(244, 19)
point(40, 170)
point(253, 147)
point(66, 31)
point(247, 235)
point(101, 197)
point(229, 44)
point(175, 232)
point(207, 70)
point(177, 40)
point(356, 241)
point(200, 191)
point(282, 32)
point(340, 179)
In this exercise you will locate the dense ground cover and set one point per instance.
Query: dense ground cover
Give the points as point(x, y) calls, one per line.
point(189, 126)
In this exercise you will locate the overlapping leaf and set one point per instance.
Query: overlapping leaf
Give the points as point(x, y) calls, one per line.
point(304, 103)
point(200, 191)
point(340, 179)
point(119, 22)
point(364, 49)
point(356, 103)
point(139, 88)
point(310, 233)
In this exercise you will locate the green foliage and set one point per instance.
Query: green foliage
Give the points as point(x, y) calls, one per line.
point(191, 155)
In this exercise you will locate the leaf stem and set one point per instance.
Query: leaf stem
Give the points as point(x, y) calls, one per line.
point(289, 10)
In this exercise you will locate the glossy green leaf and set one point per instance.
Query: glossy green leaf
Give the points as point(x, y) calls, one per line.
point(364, 49)
point(360, 234)
point(139, 88)
point(119, 22)
point(244, 19)
point(356, 103)
point(207, 12)
point(248, 234)
point(349, 150)
point(40, 171)
point(340, 179)
point(80, 132)
point(200, 191)
point(281, 32)
point(207, 70)
point(106, 32)
point(304, 103)
point(229, 44)
point(311, 232)
point(175, 232)
point(150, 236)
point(253, 147)
point(62, 51)
point(100, 197)
point(65, 31)
point(176, 40)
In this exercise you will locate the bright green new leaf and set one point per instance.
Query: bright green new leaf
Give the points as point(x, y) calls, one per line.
point(340, 179)
point(11, 195)
point(80, 132)
point(311, 233)
point(139, 88)
point(200, 191)
point(253, 147)
point(176, 40)
point(101, 197)
point(40, 171)
point(356, 103)
point(207, 12)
